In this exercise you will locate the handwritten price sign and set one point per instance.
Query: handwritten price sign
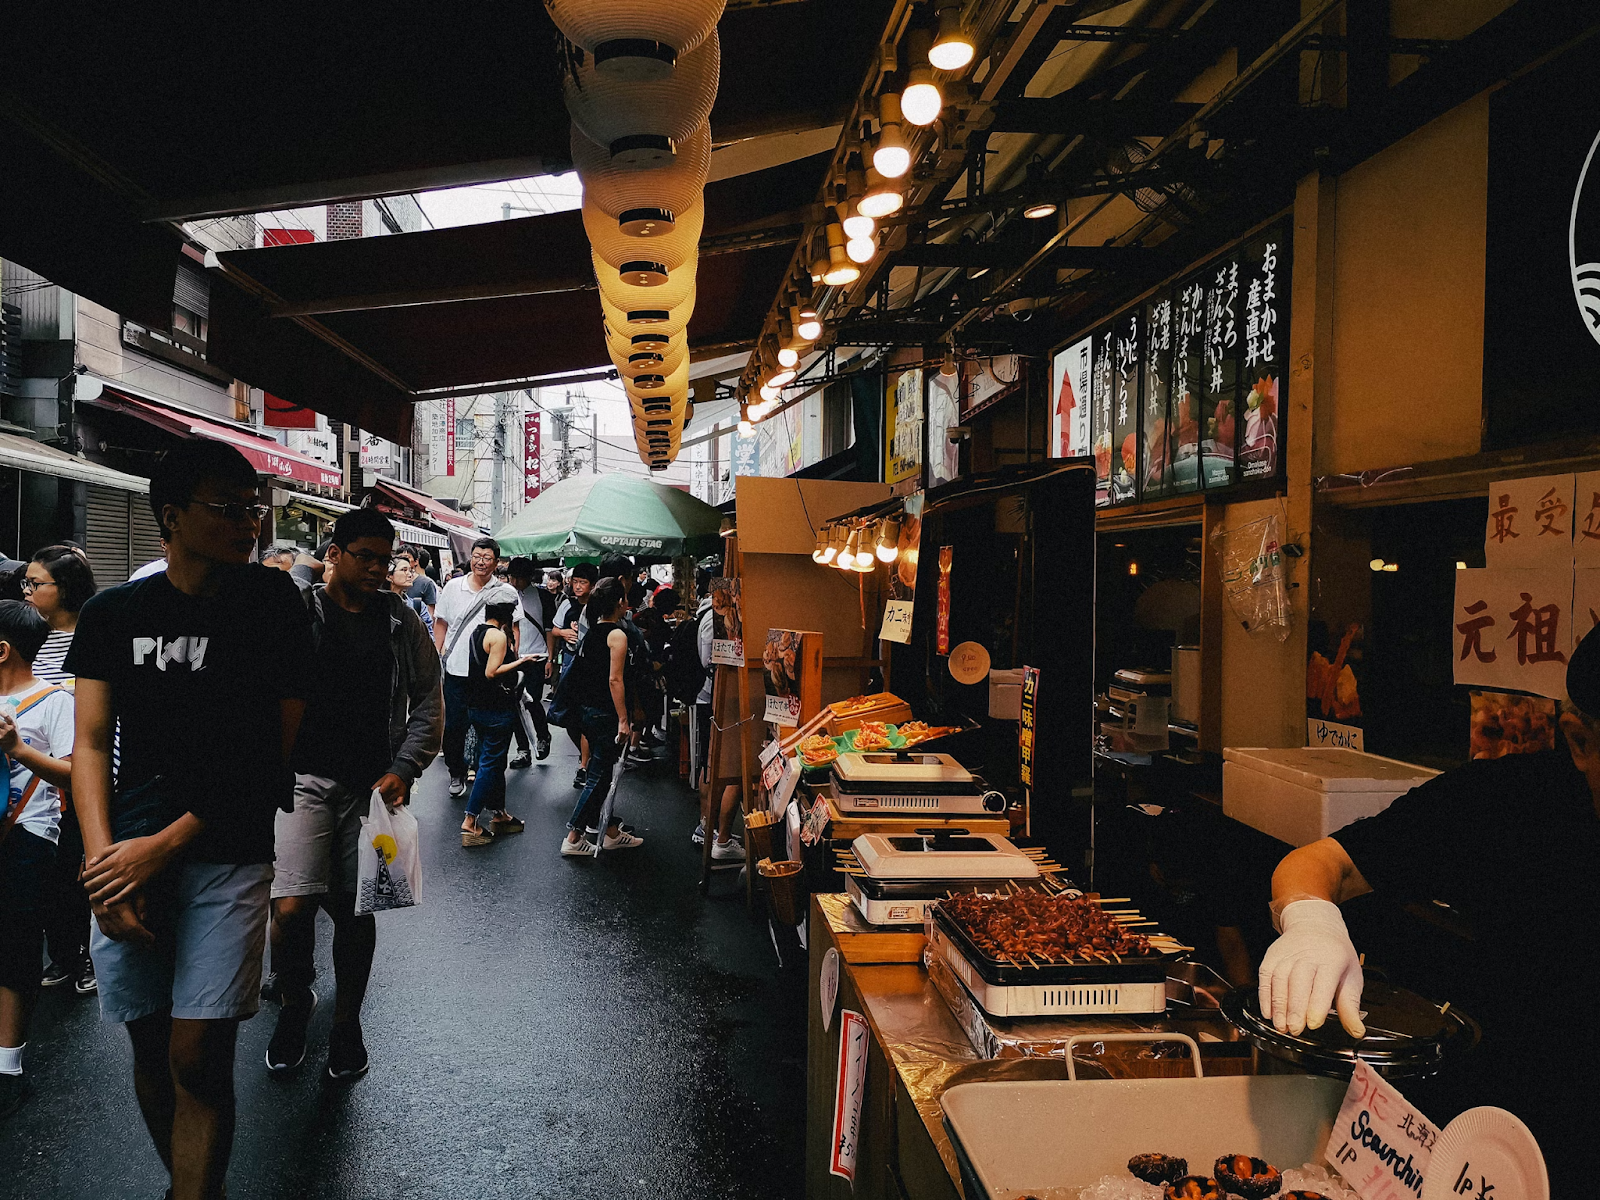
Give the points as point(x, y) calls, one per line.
point(850, 1090)
point(1380, 1144)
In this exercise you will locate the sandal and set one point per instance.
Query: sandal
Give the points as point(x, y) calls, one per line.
point(476, 837)
point(504, 822)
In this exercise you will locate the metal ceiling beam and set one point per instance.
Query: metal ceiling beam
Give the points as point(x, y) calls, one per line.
point(1095, 118)
point(984, 254)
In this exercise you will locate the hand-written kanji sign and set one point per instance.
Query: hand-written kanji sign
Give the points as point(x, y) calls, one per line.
point(1530, 523)
point(1586, 520)
point(850, 1089)
point(1513, 629)
point(1379, 1142)
point(1026, 726)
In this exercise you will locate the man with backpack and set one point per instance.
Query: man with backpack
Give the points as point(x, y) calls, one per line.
point(36, 732)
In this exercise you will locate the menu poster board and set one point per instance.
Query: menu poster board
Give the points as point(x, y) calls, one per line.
point(727, 623)
point(792, 667)
point(903, 427)
point(1104, 391)
point(1070, 385)
point(1218, 427)
point(1125, 356)
point(1155, 458)
point(1188, 384)
point(1264, 276)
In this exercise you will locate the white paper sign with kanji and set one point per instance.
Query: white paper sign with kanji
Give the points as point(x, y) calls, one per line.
point(1530, 523)
point(1586, 520)
point(1379, 1142)
point(1513, 629)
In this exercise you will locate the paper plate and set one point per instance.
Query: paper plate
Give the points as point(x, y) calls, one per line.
point(1495, 1151)
point(969, 663)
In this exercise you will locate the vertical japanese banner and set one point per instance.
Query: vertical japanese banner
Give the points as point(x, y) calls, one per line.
point(1514, 629)
point(449, 437)
point(1126, 355)
point(945, 555)
point(1027, 723)
point(1264, 270)
point(1155, 457)
point(902, 430)
point(1218, 414)
point(1188, 385)
point(531, 481)
point(1071, 371)
point(1530, 523)
point(1104, 406)
point(850, 1089)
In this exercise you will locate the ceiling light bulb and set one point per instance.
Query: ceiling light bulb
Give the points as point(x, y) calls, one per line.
point(809, 328)
point(825, 550)
point(746, 428)
point(861, 249)
point(882, 197)
point(788, 356)
point(846, 557)
point(952, 48)
point(768, 393)
point(858, 224)
point(1044, 208)
point(920, 102)
point(780, 377)
point(840, 269)
point(890, 155)
point(889, 540)
point(819, 268)
point(947, 368)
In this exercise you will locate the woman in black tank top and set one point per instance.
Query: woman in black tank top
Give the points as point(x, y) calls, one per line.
point(491, 707)
point(599, 694)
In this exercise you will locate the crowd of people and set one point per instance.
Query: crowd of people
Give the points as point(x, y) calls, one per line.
point(153, 858)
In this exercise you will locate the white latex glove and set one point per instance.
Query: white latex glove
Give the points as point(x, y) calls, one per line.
point(1310, 969)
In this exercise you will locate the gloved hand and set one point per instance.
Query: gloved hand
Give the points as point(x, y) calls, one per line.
point(1311, 968)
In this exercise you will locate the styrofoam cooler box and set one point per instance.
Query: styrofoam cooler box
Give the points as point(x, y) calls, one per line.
point(1005, 694)
point(1302, 795)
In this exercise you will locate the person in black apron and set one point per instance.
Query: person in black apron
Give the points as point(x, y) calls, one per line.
point(492, 674)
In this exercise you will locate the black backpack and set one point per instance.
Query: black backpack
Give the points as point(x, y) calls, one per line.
point(686, 674)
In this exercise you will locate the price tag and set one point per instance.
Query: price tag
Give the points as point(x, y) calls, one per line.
point(828, 986)
point(772, 773)
point(897, 622)
point(1380, 1143)
point(850, 1089)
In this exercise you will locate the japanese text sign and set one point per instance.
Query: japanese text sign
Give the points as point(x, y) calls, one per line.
point(1513, 629)
point(1379, 1143)
point(943, 630)
point(850, 1088)
point(531, 481)
point(1530, 523)
point(1026, 725)
point(1586, 519)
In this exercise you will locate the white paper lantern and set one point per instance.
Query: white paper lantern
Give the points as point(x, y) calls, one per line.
point(672, 186)
point(647, 387)
point(639, 121)
point(648, 318)
point(672, 249)
point(632, 362)
point(629, 295)
point(638, 38)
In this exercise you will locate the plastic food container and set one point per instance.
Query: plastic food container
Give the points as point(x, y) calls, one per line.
point(1302, 795)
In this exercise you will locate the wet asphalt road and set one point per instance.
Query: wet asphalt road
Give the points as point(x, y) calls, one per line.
point(538, 1027)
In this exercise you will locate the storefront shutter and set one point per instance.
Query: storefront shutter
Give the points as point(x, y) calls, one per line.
point(107, 534)
point(146, 540)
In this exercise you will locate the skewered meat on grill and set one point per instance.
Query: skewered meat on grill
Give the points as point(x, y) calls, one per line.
point(1036, 925)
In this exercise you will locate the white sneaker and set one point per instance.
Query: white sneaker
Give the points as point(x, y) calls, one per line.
point(698, 837)
point(623, 841)
point(731, 850)
point(571, 849)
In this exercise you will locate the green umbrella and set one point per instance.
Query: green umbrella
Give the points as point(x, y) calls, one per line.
point(587, 516)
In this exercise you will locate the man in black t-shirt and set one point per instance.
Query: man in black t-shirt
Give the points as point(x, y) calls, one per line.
point(373, 723)
point(1510, 845)
point(206, 666)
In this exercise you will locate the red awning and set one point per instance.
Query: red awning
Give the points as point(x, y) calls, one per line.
point(441, 514)
point(266, 455)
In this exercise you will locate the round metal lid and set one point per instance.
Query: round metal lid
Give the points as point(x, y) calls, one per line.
point(1408, 1036)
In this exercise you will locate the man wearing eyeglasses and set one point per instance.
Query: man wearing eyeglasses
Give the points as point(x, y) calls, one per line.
point(459, 612)
point(207, 667)
point(372, 724)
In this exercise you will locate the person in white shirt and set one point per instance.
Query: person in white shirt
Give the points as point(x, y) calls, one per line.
point(36, 731)
point(459, 612)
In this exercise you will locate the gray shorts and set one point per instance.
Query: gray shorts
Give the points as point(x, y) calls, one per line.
point(318, 843)
point(206, 963)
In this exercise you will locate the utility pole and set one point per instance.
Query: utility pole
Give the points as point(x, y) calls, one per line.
point(497, 485)
point(594, 463)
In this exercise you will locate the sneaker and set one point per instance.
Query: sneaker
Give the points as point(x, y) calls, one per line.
point(56, 974)
point(731, 850)
point(623, 841)
point(595, 833)
point(14, 1090)
point(698, 837)
point(476, 837)
point(581, 848)
point(504, 822)
point(287, 1050)
point(458, 786)
point(579, 779)
point(86, 984)
point(347, 1053)
point(520, 763)
point(543, 748)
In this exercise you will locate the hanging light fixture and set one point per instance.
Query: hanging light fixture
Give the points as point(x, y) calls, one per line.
point(672, 246)
point(840, 269)
point(846, 557)
point(947, 365)
point(650, 317)
point(823, 552)
point(890, 154)
point(644, 203)
point(856, 223)
point(807, 325)
point(628, 293)
point(952, 47)
point(889, 539)
point(921, 100)
point(1037, 178)
point(864, 560)
point(642, 122)
point(635, 41)
point(882, 198)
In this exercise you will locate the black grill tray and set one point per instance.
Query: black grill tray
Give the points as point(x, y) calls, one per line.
point(1149, 968)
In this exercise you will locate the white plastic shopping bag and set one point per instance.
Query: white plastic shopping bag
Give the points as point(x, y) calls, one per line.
point(389, 874)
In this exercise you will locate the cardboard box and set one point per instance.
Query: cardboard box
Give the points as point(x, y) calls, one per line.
point(886, 707)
